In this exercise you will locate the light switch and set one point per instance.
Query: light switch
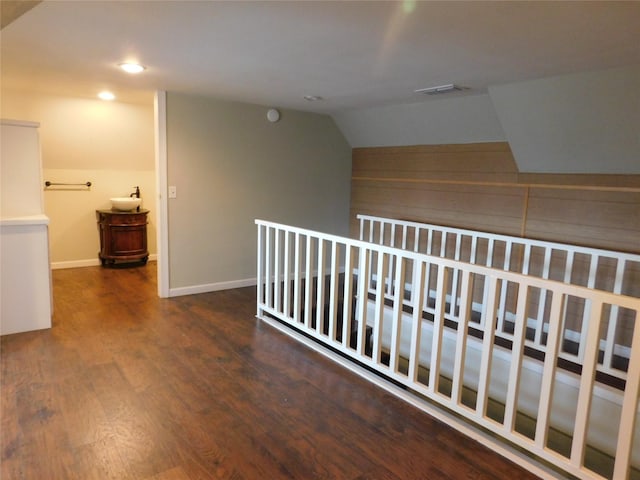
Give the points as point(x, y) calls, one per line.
point(173, 191)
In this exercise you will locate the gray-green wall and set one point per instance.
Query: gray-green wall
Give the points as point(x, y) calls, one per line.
point(230, 166)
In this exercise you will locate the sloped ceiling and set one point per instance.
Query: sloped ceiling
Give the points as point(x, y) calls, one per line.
point(355, 54)
point(365, 59)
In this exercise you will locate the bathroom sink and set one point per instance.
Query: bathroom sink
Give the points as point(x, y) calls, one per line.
point(124, 204)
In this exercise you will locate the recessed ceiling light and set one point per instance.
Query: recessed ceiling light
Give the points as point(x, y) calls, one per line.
point(312, 98)
point(106, 96)
point(130, 67)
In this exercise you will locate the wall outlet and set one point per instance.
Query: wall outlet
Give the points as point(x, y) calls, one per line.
point(173, 191)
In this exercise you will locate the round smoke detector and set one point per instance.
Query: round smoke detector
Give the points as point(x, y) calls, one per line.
point(273, 115)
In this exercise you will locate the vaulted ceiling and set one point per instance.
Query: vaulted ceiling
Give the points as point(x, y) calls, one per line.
point(354, 54)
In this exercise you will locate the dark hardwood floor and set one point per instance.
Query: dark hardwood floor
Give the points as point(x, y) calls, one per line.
point(129, 386)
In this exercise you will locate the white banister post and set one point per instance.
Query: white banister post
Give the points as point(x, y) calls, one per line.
point(260, 272)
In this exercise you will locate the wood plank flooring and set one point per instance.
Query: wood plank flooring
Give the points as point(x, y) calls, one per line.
point(129, 386)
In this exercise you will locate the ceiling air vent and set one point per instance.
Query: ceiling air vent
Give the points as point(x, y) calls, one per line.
point(440, 89)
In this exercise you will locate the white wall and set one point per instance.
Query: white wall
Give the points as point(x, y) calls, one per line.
point(580, 123)
point(110, 144)
point(20, 170)
point(230, 166)
point(463, 119)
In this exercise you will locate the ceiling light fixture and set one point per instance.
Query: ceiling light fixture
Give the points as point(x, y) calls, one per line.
point(131, 67)
point(449, 87)
point(106, 96)
point(313, 98)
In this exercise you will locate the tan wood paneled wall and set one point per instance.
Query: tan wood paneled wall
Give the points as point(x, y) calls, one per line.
point(478, 186)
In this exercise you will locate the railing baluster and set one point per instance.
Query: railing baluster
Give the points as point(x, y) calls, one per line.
point(549, 369)
point(502, 309)
point(333, 291)
point(320, 287)
point(489, 314)
point(517, 351)
point(466, 292)
point(381, 271)
point(286, 301)
point(389, 276)
point(613, 316)
point(348, 295)
point(363, 296)
point(267, 269)
point(276, 269)
point(474, 249)
point(629, 407)
point(427, 283)
point(308, 283)
point(454, 282)
point(297, 277)
point(593, 266)
point(587, 378)
point(543, 299)
point(417, 299)
point(398, 303)
point(490, 247)
point(438, 326)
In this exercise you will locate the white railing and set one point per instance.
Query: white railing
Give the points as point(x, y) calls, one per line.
point(320, 284)
point(606, 270)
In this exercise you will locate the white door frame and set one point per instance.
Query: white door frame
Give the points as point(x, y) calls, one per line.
point(162, 230)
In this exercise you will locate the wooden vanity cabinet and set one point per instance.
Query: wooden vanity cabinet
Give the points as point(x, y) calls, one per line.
point(123, 236)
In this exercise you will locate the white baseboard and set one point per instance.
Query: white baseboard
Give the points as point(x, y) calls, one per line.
point(90, 262)
point(212, 287)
